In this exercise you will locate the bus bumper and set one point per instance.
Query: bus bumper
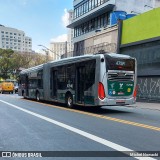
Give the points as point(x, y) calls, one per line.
point(117, 102)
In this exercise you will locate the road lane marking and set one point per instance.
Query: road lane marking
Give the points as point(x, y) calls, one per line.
point(80, 132)
point(105, 117)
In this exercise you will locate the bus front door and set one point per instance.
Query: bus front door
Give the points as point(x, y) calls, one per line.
point(80, 84)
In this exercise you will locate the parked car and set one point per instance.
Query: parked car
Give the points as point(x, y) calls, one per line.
point(6, 87)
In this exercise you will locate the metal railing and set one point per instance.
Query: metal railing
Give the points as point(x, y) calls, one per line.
point(105, 47)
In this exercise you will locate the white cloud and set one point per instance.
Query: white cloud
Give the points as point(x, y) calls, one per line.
point(65, 22)
point(65, 18)
point(60, 38)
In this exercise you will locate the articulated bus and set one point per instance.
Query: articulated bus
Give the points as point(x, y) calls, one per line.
point(89, 80)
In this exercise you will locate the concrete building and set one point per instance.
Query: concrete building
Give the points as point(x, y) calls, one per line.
point(11, 38)
point(95, 22)
point(59, 49)
point(70, 35)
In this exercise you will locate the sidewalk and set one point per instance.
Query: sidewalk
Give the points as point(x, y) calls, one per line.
point(144, 105)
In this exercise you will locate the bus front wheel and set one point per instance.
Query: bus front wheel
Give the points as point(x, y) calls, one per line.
point(69, 100)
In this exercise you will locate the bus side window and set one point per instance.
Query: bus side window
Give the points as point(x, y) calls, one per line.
point(61, 77)
point(40, 79)
point(70, 77)
point(90, 74)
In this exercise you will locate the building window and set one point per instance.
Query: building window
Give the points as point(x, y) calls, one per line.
point(90, 5)
point(86, 6)
point(102, 1)
point(93, 4)
point(96, 3)
point(93, 24)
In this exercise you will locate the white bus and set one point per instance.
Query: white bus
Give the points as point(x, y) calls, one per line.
point(89, 80)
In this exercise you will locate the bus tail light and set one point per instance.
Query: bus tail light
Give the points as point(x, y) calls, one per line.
point(135, 92)
point(101, 92)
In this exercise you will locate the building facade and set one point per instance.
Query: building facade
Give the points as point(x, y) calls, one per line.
point(59, 50)
point(140, 38)
point(11, 38)
point(70, 35)
point(95, 22)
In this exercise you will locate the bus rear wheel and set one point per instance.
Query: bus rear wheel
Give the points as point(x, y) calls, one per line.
point(69, 100)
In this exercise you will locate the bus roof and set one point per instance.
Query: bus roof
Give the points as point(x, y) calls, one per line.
point(32, 69)
point(115, 55)
point(74, 60)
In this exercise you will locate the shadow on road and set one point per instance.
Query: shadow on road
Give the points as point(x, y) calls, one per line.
point(95, 110)
point(92, 109)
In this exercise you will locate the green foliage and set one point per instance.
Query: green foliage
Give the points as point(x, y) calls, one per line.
point(11, 62)
point(6, 63)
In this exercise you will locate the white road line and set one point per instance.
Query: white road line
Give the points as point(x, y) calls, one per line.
point(80, 132)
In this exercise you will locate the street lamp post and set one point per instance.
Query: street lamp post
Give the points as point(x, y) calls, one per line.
point(49, 50)
point(46, 51)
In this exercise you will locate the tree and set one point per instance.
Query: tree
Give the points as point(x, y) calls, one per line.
point(11, 62)
point(6, 63)
point(27, 60)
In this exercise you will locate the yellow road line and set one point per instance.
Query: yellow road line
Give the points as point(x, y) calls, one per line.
point(105, 117)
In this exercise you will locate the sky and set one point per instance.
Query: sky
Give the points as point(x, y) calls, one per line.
point(42, 20)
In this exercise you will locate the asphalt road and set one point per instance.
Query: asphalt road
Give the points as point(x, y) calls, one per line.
point(27, 125)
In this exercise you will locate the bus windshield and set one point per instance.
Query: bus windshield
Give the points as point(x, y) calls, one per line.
point(120, 64)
